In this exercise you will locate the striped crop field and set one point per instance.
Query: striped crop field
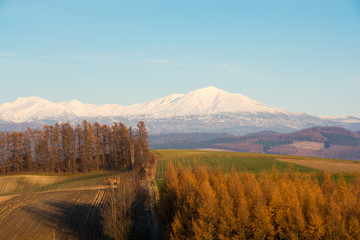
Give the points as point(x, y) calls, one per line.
point(19, 184)
point(62, 214)
point(252, 162)
point(35, 206)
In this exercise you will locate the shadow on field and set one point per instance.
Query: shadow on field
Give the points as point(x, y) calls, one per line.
point(71, 221)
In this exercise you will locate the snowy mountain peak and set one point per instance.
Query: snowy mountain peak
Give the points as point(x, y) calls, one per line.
point(208, 90)
point(214, 100)
point(73, 102)
point(209, 100)
point(205, 101)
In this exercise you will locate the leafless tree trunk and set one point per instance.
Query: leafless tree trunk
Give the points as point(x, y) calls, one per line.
point(119, 211)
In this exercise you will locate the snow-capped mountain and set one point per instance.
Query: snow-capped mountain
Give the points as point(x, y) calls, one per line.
point(208, 100)
point(207, 109)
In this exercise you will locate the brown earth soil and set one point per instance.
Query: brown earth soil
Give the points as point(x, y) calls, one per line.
point(5, 198)
point(331, 165)
point(62, 214)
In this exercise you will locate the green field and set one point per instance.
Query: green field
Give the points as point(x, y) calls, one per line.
point(252, 162)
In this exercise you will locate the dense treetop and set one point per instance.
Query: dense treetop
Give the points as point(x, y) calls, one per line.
point(83, 148)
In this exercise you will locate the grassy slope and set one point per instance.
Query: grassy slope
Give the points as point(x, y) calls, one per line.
point(253, 162)
point(18, 184)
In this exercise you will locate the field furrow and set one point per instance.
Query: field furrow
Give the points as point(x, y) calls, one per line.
point(70, 214)
point(225, 160)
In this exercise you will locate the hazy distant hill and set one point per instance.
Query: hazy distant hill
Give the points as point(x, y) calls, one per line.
point(184, 137)
point(203, 110)
point(330, 142)
point(207, 140)
point(12, 127)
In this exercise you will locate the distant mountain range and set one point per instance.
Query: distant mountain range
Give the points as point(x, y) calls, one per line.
point(204, 110)
point(328, 142)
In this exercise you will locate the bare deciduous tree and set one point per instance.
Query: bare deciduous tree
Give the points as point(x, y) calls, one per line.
point(122, 206)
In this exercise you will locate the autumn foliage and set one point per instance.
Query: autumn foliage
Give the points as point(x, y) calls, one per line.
point(83, 148)
point(197, 204)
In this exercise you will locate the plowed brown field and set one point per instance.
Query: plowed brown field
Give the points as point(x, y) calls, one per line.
point(61, 214)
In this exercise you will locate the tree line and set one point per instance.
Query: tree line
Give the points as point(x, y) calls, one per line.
point(197, 204)
point(62, 148)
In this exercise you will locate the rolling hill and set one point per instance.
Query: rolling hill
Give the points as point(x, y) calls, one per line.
point(327, 142)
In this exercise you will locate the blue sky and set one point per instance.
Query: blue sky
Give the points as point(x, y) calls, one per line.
point(301, 55)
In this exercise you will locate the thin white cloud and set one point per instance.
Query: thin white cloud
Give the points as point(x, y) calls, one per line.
point(224, 64)
point(47, 61)
point(17, 63)
point(6, 66)
point(84, 57)
point(166, 61)
point(126, 58)
point(7, 54)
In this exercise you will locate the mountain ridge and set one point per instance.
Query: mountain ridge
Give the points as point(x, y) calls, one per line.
point(210, 100)
point(206, 110)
